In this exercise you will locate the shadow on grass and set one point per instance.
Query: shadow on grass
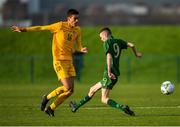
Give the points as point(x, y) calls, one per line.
point(157, 115)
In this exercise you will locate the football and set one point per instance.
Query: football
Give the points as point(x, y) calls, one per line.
point(167, 88)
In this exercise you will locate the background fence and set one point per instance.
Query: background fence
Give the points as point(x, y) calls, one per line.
point(39, 69)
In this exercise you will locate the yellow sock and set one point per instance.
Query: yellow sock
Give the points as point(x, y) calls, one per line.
point(60, 99)
point(56, 92)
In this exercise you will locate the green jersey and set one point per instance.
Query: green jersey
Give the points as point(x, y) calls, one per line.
point(114, 47)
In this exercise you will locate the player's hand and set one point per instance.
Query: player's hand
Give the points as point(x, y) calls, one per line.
point(84, 50)
point(111, 75)
point(138, 55)
point(16, 29)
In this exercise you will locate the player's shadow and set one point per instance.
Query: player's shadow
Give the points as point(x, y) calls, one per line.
point(159, 115)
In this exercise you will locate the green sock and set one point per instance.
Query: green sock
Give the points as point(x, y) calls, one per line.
point(83, 101)
point(114, 104)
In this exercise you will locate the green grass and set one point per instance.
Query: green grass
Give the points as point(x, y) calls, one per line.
point(140, 87)
point(20, 106)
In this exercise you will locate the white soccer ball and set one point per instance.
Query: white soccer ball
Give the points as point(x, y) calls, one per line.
point(167, 88)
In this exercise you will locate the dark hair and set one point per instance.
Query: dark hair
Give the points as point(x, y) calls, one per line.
point(72, 12)
point(106, 29)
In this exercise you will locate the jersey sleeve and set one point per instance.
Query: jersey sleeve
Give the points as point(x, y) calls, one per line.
point(123, 44)
point(53, 28)
point(106, 47)
point(78, 39)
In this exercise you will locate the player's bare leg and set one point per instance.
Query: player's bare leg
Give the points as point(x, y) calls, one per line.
point(94, 89)
point(105, 95)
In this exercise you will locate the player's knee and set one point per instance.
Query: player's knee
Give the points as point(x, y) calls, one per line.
point(69, 92)
point(104, 100)
point(91, 91)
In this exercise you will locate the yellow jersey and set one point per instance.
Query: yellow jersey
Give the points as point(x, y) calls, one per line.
point(64, 37)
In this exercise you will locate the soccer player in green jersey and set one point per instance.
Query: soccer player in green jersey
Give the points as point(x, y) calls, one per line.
point(112, 48)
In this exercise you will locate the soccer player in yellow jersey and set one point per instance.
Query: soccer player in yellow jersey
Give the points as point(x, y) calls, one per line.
point(65, 33)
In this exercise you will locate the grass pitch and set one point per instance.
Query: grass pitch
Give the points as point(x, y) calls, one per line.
point(19, 105)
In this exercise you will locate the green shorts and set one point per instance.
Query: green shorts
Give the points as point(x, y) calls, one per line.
point(108, 83)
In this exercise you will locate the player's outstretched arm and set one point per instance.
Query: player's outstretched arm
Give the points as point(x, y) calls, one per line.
point(51, 27)
point(136, 53)
point(18, 29)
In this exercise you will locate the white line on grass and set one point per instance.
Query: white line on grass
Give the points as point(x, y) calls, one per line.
point(95, 107)
point(153, 107)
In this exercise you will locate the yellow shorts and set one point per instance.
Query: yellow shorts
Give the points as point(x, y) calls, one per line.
point(64, 69)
